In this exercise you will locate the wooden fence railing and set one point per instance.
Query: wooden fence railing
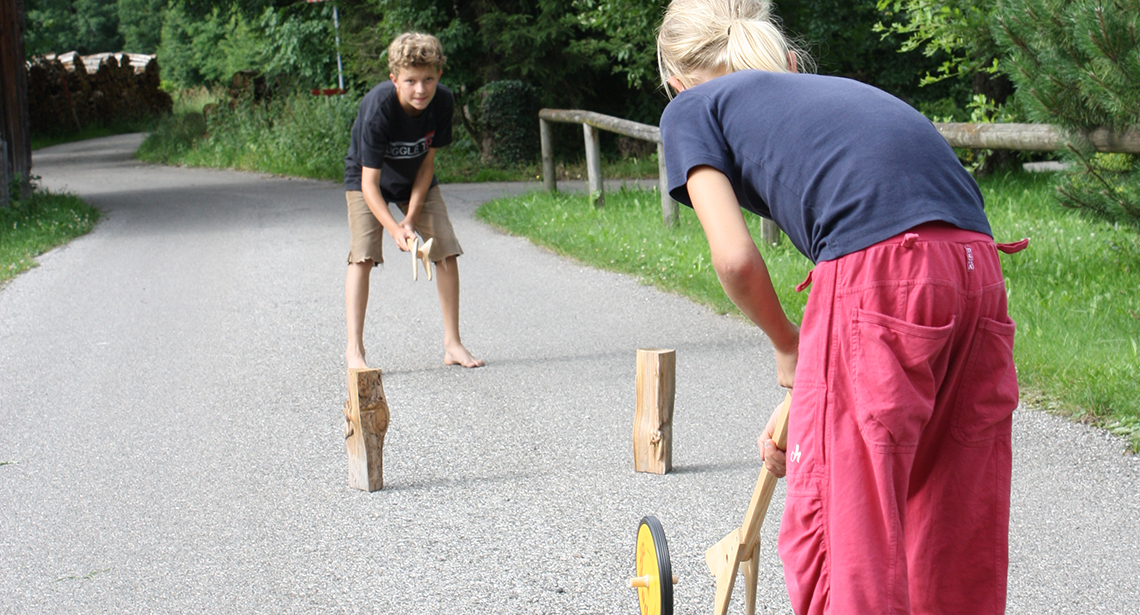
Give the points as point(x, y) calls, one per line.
point(591, 122)
point(1026, 137)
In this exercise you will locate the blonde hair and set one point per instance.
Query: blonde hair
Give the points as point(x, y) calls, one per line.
point(711, 35)
point(415, 49)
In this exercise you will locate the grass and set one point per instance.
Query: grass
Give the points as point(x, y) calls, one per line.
point(1075, 293)
point(307, 136)
point(35, 225)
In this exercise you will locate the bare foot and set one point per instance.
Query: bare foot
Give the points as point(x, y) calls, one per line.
point(459, 355)
point(355, 361)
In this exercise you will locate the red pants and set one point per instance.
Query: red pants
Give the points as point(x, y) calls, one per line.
point(899, 454)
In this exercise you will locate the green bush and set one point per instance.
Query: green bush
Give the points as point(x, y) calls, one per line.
point(299, 134)
point(510, 122)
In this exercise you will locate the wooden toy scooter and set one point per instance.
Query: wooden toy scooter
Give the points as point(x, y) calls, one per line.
point(740, 547)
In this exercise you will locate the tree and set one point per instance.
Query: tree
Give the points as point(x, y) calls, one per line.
point(209, 49)
point(1076, 64)
point(140, 24)
point(59, 26)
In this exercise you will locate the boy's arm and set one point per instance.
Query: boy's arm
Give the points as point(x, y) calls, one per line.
point(420, 186)
point(370, 186)
point(740, 267)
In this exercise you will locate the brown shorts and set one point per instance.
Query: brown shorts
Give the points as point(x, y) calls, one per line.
point(367, 234)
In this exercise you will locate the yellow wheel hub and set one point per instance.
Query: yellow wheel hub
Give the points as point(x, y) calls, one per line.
point(654, 581)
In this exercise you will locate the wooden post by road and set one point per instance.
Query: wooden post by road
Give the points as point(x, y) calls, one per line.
point(549, 181)
point(594, 165)
point(668, 205)
point(365, 423)
point(653, 418)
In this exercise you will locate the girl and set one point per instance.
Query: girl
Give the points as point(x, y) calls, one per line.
point(904, 386)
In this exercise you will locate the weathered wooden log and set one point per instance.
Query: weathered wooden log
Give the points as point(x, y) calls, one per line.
point(365, 423)
point(1035, 137)
point(653, 418)
point(628, 128)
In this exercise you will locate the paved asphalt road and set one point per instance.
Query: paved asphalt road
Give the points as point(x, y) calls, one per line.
point(171, 434)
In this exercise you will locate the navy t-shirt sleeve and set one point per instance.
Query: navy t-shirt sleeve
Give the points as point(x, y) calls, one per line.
point(692, 137)
point(374, 142)
point(443, 136)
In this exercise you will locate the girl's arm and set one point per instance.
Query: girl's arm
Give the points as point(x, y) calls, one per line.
point(740, 267)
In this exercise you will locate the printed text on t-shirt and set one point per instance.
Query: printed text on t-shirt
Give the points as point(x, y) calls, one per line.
point(412, 149)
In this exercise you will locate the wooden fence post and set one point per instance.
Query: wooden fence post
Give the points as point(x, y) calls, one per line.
point(668, 205)
point(770, 232)
point(365, 423)
point(653, 418)
point(594, 165)
point(549, 181)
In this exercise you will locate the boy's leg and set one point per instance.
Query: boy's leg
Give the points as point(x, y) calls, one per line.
point(447, 284)
point(365, 251)
point(355, 307)
point(434, 223)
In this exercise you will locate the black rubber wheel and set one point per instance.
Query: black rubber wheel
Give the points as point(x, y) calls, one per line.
point(652, 558)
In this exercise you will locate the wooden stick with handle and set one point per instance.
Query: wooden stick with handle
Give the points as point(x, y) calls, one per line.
point(741, 545)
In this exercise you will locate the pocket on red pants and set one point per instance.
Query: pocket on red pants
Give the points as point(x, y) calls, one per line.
point(897, 368)
point(989, 386)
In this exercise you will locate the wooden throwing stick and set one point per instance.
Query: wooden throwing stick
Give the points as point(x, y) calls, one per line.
point(421, 253)
point(742, 545)
point(365, 423)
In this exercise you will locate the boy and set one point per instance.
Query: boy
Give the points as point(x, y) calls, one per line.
point(391, 159)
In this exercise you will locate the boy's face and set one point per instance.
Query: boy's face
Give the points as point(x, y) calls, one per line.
point(415, 87)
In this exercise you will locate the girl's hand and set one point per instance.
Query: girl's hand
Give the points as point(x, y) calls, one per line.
point(771, 454)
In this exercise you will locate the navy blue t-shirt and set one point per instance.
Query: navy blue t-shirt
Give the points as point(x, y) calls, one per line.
point(838, 164)
point(385, 137)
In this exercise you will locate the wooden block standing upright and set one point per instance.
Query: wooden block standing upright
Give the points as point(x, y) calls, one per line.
point(365, 423)
point(653, 421)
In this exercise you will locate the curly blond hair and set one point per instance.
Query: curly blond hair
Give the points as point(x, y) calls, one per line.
point(415, 49)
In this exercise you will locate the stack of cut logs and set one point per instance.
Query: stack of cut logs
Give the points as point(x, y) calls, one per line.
point(64, 97)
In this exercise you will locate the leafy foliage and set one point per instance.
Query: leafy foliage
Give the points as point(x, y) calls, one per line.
point(211, 49)
point(955, 30)
point(59, 26)
point(140, 24)
point(841, 36)
point(299, 41)
point(629, 35)
point(1076, 64)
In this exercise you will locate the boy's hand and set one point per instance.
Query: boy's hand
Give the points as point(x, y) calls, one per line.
point(773, 457)
point(402, 235)
point(409, 225)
